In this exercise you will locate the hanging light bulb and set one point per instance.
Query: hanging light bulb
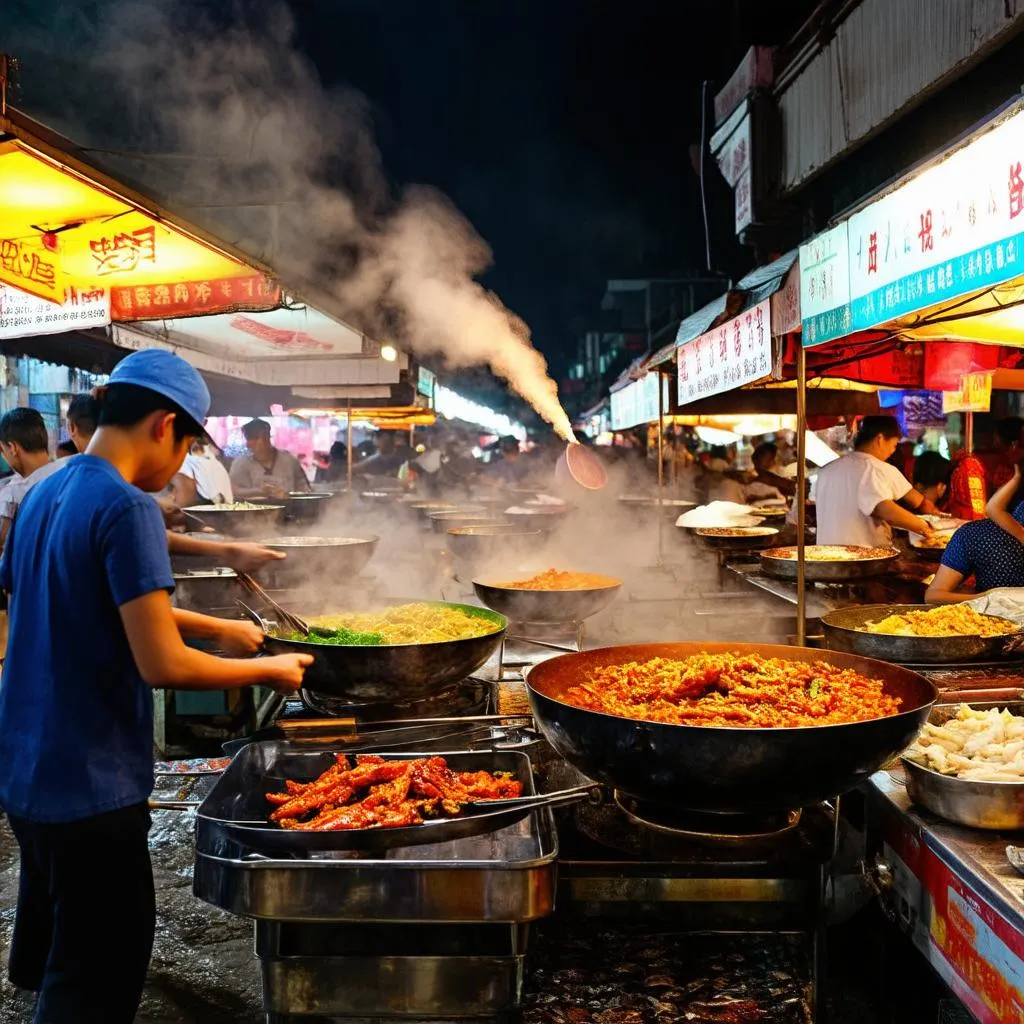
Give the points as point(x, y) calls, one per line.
point(388, 353)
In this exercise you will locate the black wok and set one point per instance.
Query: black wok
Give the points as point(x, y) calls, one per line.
point(727, 770)
point(394, 672)
point(782, 563)
point(841, 632)
point(330, 560)
point(492, 542)
point(236, 522)
point(545, 605)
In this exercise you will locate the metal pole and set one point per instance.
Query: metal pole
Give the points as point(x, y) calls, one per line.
point(661, 468)
point(969, 431)
point(348, 427)
point(801, 505)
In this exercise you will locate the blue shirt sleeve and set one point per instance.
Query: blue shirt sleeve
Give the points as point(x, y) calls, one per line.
point(956, 556)
point(135, 553)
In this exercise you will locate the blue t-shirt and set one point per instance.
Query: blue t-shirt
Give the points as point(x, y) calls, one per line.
point(76, 718)
point(988, 553)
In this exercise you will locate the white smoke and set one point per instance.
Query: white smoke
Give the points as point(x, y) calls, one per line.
point(244, 102)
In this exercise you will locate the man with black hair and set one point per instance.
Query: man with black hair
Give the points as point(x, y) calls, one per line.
point(23, 443)
point(860, 497)
point(83, 414)
point(932, 473)
point(92, 629)
point(266, 470)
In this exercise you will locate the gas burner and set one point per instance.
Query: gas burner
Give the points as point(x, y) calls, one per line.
point(468, 697)
point(706, 825)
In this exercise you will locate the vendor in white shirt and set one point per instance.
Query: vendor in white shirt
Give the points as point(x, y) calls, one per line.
point(202, 480)
point(860, 497)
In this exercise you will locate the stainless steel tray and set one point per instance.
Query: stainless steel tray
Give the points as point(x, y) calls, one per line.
point(503, 876)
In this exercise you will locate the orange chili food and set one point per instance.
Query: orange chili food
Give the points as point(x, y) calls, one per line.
point(734, 690)
point(554, 579)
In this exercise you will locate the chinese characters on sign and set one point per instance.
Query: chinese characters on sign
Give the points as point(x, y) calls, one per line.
point(193, 298)
point(123, 251)
point(637, 402)
point(953, 229)
point(734, 160)
point(23, 315)
point(30, 266)
point(726, 357)
point(975, 394)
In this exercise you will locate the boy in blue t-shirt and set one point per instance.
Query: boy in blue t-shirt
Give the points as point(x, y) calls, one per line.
point(92, 629)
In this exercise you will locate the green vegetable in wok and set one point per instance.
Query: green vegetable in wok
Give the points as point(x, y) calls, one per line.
point(342, 637)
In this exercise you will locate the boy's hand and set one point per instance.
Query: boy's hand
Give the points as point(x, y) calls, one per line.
point(284, 672)
point(247, 557)
point(240, 639)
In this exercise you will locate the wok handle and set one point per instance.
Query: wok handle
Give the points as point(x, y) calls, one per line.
point(950, 698)
point(542, 643)
point(290, 727)
point(560, 798)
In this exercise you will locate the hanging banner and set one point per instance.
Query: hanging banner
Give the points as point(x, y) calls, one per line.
point(33, 267)
point(194, 298)
point(975, 394)
point(23, 315)
point(954, 228)
point(637, 403)
point(727, 357)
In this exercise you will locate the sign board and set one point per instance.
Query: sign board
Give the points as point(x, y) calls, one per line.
point(23, 315)
point(825, 285)
point(425, 382)
point(975, 394)
point(637, 403)
point(726, 357)
point(734, 158)
point(955, 228)
point(786, 305)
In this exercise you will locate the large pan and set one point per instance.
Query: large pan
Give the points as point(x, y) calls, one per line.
point(394, 672)
point(722, 769)
point(842, 633)
point(333, 560)
point(782, 564)
point(545, 605)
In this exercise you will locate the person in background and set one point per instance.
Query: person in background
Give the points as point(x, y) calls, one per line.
point(932, 474)
point(23, 442)
point(511, 469)
point(765, 460)
point(202, 479)
point(860, 497)
point(968, 488)
point(717, 482)
point(92, 631)
point(388, 458)
point(991, 550)
point(66, 449)
point(239, 555)
point(903, 458)
point(266, 470)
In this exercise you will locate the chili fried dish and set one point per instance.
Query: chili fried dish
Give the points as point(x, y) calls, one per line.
point(555, 579)
point(945, 620)
point(370, 791)
point(734, 690)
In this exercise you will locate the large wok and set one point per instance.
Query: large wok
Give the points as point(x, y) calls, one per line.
point(330, 560)
point(236, 522)
point(842, 634)
point(722, 769)
point(394, 672)
point(545, 605)
point(782, 564)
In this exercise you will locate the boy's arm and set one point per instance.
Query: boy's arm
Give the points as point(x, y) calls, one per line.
point(943, 588)
point(998, 507)
point(165, 661)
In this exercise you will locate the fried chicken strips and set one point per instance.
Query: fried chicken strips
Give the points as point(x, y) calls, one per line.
point(373, 792)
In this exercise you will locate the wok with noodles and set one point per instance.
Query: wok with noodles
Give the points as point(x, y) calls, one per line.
point(727, 727)
point(918, 634)
point(826, 562)
point(552, 595)
point(401, 653)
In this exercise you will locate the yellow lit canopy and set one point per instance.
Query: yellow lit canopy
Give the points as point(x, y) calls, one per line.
point(59, 229)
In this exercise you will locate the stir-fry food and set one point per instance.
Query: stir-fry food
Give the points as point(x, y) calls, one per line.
point(947, 620)
point(235, 506)
point(555, 579)
point(734, 690)
point(418, 623)
point(373, 792)
point(832, 553)
point(981, 746)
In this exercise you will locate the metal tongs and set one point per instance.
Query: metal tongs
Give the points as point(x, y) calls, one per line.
point(293, 622)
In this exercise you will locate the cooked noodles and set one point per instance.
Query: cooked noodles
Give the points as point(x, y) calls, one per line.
point(950, 620)
point(403, 624)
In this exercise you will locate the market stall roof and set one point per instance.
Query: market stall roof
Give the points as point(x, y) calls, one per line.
point(66, 225)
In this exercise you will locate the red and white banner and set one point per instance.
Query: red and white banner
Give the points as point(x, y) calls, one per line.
point(727, 357)
point(23, 315)
point(194, 298)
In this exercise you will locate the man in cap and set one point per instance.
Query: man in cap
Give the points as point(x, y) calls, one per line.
point(266, 470)
point(87, 575)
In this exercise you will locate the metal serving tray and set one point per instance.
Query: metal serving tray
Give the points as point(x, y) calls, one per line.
point(503, 876)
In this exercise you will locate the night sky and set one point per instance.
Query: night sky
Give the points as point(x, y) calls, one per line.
point(561, 128)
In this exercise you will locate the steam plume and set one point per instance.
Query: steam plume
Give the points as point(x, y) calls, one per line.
point(244, 101)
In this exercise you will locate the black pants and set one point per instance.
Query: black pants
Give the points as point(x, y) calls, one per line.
point(86, 914)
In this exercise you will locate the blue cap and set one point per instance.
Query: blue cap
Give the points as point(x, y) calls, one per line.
point(168, 375)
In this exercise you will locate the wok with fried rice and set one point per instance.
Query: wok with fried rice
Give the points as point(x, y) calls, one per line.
point(920, 634)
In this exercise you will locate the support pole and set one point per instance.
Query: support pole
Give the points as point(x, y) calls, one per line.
point(969, 431)
point(661, 467)
point(801, 486)
point(348, 427)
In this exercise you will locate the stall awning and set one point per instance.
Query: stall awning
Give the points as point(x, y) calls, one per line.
point(65, 227)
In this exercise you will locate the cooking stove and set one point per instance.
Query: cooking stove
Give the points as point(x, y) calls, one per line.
point(467, 697)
